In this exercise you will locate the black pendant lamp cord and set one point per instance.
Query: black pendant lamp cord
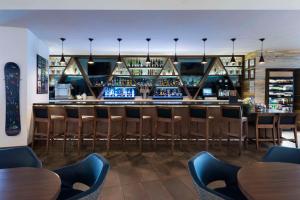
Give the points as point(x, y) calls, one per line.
point(233, 47)
point(62, 47)
point(262, 46)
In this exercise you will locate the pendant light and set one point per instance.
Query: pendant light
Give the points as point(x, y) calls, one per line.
point(175, 55)
point(232, 57)
point(119, 61)
point(261, 59)
point(62, 59)
point(204, 61)
point(148, 61)
point(91, 60)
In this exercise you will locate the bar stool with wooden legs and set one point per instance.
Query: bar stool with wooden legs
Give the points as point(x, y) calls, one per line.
point(42, 116)
point(74, 116)
point(235, 125)
point(135, 116)
point(287, 121)
point(103, 116)
point(265, 121)
point(166, 115)
point(199, 116)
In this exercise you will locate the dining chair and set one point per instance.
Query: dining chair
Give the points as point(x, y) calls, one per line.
point(205, 169)
point(90, 171)
point(265, 121)
point(287, 121)
point(13, 157)
point(282, 154)
point(235, 125)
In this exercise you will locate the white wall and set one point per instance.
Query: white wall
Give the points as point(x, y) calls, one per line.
point(20, 46)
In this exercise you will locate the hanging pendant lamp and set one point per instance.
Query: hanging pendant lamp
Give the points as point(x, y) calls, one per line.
point(232, 60)
point(204, 60)
point(148, 61)
point(119, 61)
point(62, 59)
point(91, 60)
point(261, 58)
point(175, 55)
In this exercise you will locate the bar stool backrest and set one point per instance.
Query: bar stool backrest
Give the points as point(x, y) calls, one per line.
point(198, 112)
point(164, 112)
point(233, 112)
point(288, 119)
point(133, 112)
point(40, 112)
point(265, 118)
point(102, 112)
point(72, 112)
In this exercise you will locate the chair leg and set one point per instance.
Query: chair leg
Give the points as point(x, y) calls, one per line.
point(172, 138)
point(155, 135)
point(108, 138)
point(141, 135)
point(65, 137)
point(48, 137)
point(296, 137)
point(206, 136)
point(246, 134)
point(273, 135)
point(34, 132)
point(257, 138)
point(278, 135)
point(79, 137)
point(94, 135)
point(240, 145)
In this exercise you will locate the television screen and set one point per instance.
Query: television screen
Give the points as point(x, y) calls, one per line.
point(99, 68)
point(207, 92)
point(192, 68)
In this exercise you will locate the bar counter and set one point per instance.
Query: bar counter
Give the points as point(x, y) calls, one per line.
point(149, 108)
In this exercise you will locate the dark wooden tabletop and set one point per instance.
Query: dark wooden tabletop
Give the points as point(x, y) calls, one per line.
point(28, 183)
point(261, 181)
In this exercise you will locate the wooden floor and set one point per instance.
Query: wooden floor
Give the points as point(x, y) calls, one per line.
point(153, 175)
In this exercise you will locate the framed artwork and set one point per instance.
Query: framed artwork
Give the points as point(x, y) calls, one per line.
point(252, 74)
point(246, 75)
point(251, 63)
point(246, 64)
point(42, 75)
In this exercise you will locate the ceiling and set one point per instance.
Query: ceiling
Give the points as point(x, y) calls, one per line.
point(278, 27)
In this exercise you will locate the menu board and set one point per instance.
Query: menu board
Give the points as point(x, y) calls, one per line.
point(42, 75)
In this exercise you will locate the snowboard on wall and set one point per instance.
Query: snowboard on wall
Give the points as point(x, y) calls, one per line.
point(12, 85)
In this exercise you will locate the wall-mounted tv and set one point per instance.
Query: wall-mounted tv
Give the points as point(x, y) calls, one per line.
point(192, 68)
point(99, 68)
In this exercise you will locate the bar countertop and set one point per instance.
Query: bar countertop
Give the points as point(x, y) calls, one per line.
point(139, 102)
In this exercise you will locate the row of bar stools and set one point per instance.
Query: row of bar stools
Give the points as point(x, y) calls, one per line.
point(166, 115)
point(236, 126)
point(41, 116)
point(199, 116)
point(136, 116)
point(103, 116)
point(74, 116)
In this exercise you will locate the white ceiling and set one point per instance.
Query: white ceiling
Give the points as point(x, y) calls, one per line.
point(279, 27)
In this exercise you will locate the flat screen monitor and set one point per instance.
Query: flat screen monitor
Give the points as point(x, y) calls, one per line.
point(99, 68)
point(192, 68)
point(207, 92)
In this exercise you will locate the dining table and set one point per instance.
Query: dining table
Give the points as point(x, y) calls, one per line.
point(270, 180)
point(28, 183)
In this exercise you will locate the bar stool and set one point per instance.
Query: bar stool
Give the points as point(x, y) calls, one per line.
point(199, 115)
point(74, 116)
point(235, 125)
point(287, 121)
point(265, 121)
point(41, 115)
point(166, 115)
point(103, 117)
point(135, 115)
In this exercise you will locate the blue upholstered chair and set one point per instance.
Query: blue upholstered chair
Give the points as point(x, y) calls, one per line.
point(13, 157)
point(91, 171)
point(282, 154)
point(205, 169)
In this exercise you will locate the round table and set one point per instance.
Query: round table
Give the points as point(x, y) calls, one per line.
point(261, 181)
point(29, 183)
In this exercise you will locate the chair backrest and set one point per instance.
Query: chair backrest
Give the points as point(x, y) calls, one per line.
point(287, 119)
point(40, 112)
point(133, 112)
point(204, 169)
point(282, 154)
point(198, 112)
point(165, 112)
point(231, 112)
point(265, 119)
point(72, 112)
point(13, 157)
point(102, 112)
point(92, 172)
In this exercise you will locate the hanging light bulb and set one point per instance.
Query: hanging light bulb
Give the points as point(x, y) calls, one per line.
point(91, 60)
point(204, 60)
point(261, 58)
point(119, 61)
point(62, 59)
point(148, 61)
point(232, 57)
point(175, 55)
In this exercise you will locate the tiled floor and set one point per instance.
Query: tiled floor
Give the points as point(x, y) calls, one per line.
point(153, 175)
